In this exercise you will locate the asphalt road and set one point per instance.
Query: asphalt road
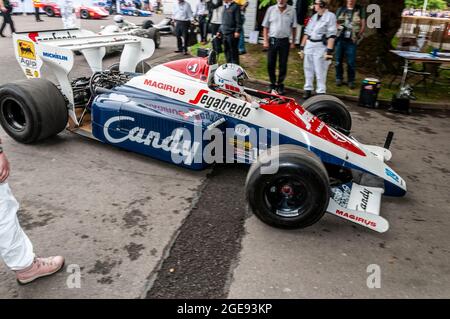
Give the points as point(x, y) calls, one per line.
point(138, 227)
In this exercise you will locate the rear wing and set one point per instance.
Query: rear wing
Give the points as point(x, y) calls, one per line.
point(55, 48)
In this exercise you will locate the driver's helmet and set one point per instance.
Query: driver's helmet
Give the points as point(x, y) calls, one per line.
point(118, 19)
point(230, 77)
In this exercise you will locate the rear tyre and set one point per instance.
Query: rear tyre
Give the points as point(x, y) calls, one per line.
point(330, 110)
point(32, 110)
point(154, 34)
point(296, 196)
point(49, 11)
point(147, 24)
point(141, 67)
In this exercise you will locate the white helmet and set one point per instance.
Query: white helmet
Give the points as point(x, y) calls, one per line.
point(230, 77)
point(118, 19)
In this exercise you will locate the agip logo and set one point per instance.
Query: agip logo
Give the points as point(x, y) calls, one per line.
point(26, 49)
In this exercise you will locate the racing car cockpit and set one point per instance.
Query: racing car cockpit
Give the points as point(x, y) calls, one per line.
point(229, 79)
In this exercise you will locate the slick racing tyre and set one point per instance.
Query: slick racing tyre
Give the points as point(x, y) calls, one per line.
point(147, 24)
point(32, 110)
point(49, 11)
point(141, 67)
point(330, 110)
point(296, 196)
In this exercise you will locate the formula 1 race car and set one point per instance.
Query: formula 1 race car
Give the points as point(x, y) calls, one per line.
point(303, 161)
point(145, 30)
point(52, 9)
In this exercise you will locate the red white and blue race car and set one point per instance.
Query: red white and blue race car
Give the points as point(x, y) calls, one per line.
point(303, 161)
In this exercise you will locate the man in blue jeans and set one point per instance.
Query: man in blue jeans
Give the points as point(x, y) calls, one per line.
point(351, 20)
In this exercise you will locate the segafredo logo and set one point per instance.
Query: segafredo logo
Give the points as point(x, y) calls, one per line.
point(361, 220)
point(173, 143)
point(222, 105)
point(165, 87)
point(55, 56)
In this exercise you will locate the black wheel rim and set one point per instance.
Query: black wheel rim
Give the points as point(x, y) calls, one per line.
point(14, 114)
point(287, 196)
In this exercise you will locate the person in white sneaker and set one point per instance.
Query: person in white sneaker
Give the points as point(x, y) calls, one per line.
point(16, 249)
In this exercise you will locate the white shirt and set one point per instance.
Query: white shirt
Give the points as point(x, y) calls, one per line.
point(201, 9)
point(280, 24)
point(216, 17)
point(326, 25)
point(182, 11)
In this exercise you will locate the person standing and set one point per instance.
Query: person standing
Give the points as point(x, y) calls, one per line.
point(182, 14)
point(68, 15)
point(316, 48)
point(301, 9)
point(6, 8)
point(201, 13)
point(215, 8)
point(230, 30)
point(279, 24)
point(16, 249)
point(351, 20)
point(37, 7)
point(244, 5)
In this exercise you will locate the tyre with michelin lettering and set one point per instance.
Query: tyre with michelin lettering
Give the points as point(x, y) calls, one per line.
point(330, 110)
point(295, 195)
point(32, 110)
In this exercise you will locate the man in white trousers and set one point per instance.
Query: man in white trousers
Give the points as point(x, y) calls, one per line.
point(16, 249)
point(317, 48)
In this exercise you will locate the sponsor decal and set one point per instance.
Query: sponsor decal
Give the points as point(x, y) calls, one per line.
point(222, 105)
point(337, 135)
point(55, 56)
point(191, 113)
point(34, 36)
point(165, 87)
point(307, 118)
point(357, 219)
point(392, 175)
point(26, 49)
point(365, 198)
point(36, 74)
point(242, 130)
point(28, 63)
point(28, 72)
point(172, 143)
point(192, 68)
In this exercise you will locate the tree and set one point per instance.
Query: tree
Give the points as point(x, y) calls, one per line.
point(377, 43)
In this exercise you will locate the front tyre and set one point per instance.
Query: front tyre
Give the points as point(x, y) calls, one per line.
point(296, 196)
point(330, 110)
point(32, 110)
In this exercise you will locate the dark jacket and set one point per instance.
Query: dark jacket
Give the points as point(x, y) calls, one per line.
point(231, 19)
point(302, 11)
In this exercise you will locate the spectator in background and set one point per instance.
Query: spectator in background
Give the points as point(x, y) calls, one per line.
point(317, 48)
point(201, 13)
point(6, 8)
point(230, 30)
point(182, 14)
point(244, 5)
point(351, 20)
point(16, 249)
point(215, 8)
point(279, 24)
point(302, 12)
point(37, 5)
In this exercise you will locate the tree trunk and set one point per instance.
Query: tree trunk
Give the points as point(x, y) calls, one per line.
point(378, 41)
